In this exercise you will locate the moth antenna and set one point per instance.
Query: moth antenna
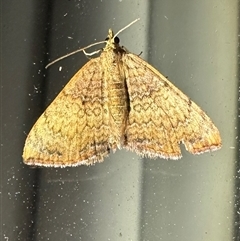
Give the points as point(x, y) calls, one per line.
point(74, 52)
point(126, 27)
point(89, 46)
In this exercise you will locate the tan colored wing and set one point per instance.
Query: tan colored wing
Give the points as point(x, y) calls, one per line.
point(74, 129)
point(161, 116)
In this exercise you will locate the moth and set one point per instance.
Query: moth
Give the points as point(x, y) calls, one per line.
point(115, 101)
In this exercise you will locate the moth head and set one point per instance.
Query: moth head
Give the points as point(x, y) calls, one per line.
point(110, 34)
point(111, 40)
